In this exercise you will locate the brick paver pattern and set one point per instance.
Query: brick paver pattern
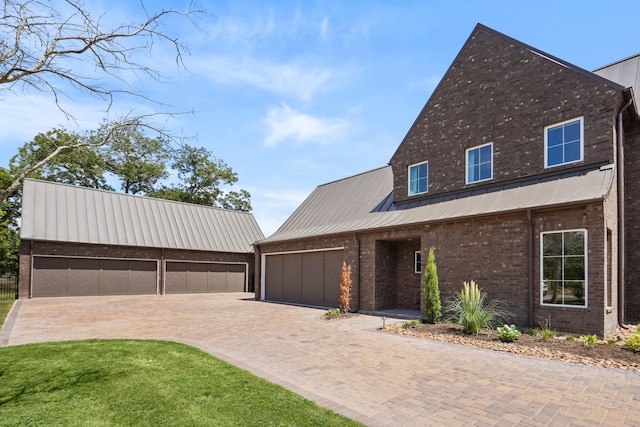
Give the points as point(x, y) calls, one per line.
point(348, 365)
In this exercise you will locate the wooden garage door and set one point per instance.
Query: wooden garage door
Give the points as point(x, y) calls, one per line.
point(60, 277)
point(311, 278)
point(198, 277)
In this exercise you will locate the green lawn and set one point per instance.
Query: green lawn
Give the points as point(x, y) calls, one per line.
point(5, 306)
point(142, 383)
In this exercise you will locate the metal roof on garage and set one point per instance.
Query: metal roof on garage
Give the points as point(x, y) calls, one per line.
point(365, 202)
point(67, 213)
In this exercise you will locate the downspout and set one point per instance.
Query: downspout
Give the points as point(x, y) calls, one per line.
point(530, 265)
point(355, 236)
point(621, 216)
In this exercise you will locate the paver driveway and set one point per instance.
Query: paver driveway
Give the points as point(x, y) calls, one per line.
point(346, 365)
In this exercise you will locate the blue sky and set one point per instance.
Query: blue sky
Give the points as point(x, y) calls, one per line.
point(292, 95)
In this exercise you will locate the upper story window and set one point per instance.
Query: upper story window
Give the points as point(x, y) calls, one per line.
point(418, 181)
point(480, 163)
point(563, 257)
point(563, 143)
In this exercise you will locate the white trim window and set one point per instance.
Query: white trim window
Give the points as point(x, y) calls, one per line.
point(479, 163)
point(563, 268)
point(417, 262)
point(564, 143)
point(418, 178)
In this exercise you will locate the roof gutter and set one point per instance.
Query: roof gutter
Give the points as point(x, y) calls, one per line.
point(621, 216)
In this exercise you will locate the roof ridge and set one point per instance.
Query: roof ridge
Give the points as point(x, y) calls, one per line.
point(353, 176)
point(617, 62)
point(117, 193)
point(550, 57)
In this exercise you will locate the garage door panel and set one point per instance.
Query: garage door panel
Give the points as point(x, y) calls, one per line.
point(197, 278)
point(312, 278)
point(203, 277)
point(57, 276)
point(176, 278)
point(236, 281)
point(143, 277)
point(332, 276)
point(114, 277)
point(51, 280)
point(217, 281)
point(83, 277)
point(292, 278)
point(273, 277)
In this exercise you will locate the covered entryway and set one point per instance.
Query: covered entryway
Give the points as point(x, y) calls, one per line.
point(60, 277)
point(204, 277)
point(311, 278)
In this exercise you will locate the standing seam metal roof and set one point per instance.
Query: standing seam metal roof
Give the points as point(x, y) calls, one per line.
point(66, 213)
point(361, 202)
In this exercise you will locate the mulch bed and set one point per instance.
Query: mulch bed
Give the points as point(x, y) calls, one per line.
point(603, 353)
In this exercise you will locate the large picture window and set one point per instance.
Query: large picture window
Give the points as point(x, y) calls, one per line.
point(563, 143)
point(418, 181)
point(564, 267)
point(480, 163)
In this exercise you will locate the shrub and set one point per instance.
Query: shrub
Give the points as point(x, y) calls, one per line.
point(431, 292)
point(508, 333)
point(334, 312)
point(548, 333)
point(633, 343)
point(534, 332)
point(570, 337)
point(589, 340)
point(470, 309)
point(345, 288)
point(409, 324)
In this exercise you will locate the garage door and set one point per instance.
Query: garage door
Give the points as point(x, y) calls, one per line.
point(195, 277)
point(60, 277)
point(311, 278)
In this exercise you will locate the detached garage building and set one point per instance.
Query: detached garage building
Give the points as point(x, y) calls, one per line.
point(78, 241)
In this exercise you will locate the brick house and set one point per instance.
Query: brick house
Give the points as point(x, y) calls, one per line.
point(77, 241)
point(514, 172)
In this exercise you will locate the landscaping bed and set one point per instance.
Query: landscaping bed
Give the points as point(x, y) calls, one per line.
point(610, 353)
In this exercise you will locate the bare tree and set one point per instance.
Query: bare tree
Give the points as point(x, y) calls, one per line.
point(40, 39)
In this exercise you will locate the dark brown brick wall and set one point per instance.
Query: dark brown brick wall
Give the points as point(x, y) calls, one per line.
point(123, 252)
point(579, 320)
point(492, 251)
point(409, 283)
point(632, 223)
point(499, 92)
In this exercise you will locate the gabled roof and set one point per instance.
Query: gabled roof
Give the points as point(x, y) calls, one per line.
point(625, 72)
point(66, 213)
point(364, 202)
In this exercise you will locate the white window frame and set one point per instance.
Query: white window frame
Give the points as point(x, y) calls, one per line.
point(409, 179)
point(417, 262)
point(466, 163)
point(546, 142)
point(586, 269)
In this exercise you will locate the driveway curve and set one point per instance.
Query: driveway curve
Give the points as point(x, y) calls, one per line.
point(347, 365)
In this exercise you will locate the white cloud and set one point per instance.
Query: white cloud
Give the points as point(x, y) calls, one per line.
point(290, 79)
point(285, 124)
point(324, 28)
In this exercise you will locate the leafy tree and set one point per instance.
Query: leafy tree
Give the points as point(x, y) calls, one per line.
point(201, 176)
point(42, 40)
point(9, 238)
point(82, 166)
point(137, 160)
point(431, 292)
